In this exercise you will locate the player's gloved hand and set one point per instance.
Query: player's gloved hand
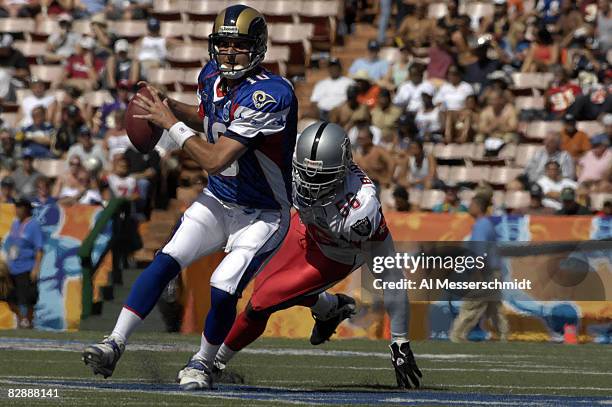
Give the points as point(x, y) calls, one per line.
point(406, 369)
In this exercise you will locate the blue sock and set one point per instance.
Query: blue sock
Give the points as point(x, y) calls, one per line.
point(221, 316)
point(150, 284)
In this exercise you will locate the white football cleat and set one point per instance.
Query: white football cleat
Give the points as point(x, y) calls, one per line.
point(195, 375)
point(103, 357)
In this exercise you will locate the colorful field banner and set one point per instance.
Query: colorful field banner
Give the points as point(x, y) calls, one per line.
point(59, 302)
point(531, 316)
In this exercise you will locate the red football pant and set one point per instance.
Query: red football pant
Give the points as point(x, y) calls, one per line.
point(295, 276)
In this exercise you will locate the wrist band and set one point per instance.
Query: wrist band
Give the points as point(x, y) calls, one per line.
point(179, 132)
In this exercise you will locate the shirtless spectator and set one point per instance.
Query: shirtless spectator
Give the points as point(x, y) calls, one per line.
point(374, 160)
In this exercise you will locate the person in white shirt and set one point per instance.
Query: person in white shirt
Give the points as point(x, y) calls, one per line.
point(153, 48)
point(552, 184)
point(62, 44)
point(452, 94)
point(330, 93)
point(409, 94)
point(37, 98)
point(428, 119)
point(84, 193)
point(85, 148)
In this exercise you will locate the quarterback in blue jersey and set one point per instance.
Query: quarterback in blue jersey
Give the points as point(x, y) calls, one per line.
point(249, 118)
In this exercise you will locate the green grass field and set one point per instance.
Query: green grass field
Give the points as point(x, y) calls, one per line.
point(282, 371)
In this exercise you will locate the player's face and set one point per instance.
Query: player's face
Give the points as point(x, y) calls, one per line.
point(234, 53)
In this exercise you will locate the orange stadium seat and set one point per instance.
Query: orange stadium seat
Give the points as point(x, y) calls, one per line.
point(168, 10)
point(430, 198)
point(516, 199)
point(539, 129)
point(281, 11)
point(524, 152)
point(44, 28)
point(599, 199)
point(50, 167)
point(198, 10)
point(591, 128)
point(47, 73)
point(437, 10)
point(187, 56)
point(31, 50)
point(130, 29)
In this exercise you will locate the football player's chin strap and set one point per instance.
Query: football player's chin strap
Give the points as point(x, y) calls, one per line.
point(396, 301)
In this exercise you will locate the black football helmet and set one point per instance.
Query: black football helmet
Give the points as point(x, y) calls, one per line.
point(244, 23)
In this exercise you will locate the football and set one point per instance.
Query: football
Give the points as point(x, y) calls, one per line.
point(143, 134)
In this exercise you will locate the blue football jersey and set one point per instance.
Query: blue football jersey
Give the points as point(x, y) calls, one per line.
point(261, 113)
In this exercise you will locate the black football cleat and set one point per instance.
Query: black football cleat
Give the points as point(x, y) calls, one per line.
point(324, 329)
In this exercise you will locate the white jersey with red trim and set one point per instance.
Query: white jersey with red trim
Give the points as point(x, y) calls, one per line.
point(355, 217)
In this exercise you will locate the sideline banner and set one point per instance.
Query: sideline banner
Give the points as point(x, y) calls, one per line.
point(531, 315)
point(59, 286)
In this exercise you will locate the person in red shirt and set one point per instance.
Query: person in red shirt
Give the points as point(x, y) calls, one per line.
point(561, 93)
point(83, 69)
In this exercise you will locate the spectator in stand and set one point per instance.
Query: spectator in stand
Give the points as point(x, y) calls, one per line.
point(385, 115)
point(461, 126)
point(68, 179)
point(344, 115)
point(569, 206)
point(146, 169)
point(104, 40)
point(120, 68)
point(606, 211)
point(451, 20)
point(63, 43)
point(37, 137)
point(604, 25)
point(13, 62)
point(86, 192)
point(440, 58)
point(367, 91)
point(452, 94)
point(131, 10)
point(561, 93)
point(105, 116)
point(515, 44)
point(120, 182)
point(153, 47)
point(573, 141)
point(552, 184)
point(548, 10)
point(499, 82)
point(26, 175)
point(7, 190)
point(375, 66)
point(329, 93)
point(408, 95)
point(24, 251)
point(19, 8)
point(68, 132)
point(451, 202)
point(429, 119)
point(597, 101)
point(398, 72)
point(477, 72)
point(535, 203)
point(606, 121)
point(401, 200)
point(593, 167)
point(374, 160)
point(39, 97)
point(498, 120)
point(551, 151)
point(570, 18)
point(83, 68)
point(460, 39)
point(416, 28)
point(88, 8)
point(418, 170)
point(9, 151)
point(85, 148)
point(363, 121)
point(43, 193)
point(116, 140)
point(69, 95)
point(542, 54)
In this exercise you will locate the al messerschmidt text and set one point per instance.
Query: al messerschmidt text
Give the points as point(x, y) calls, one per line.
point(445, 284)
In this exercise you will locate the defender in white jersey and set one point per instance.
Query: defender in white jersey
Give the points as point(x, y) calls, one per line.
point(339, 227)
point(249, 118)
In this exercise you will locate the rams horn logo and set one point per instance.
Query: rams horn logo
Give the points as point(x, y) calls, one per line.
point(261, 98)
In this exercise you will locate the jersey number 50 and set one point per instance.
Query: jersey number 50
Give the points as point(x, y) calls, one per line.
point(217, 129)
